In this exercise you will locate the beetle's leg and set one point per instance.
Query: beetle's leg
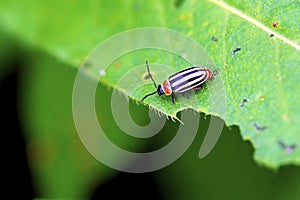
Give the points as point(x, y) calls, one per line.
point(173, 98)
point(186, 94)
point(197, 88)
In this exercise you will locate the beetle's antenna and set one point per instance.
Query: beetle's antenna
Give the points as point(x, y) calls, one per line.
point(148, 95)
point(150, 74)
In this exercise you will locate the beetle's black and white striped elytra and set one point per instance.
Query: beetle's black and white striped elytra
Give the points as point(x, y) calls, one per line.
point(189, 79)
point(181, 82)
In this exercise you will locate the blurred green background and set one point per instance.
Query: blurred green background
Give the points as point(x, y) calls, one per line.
point(43, 155)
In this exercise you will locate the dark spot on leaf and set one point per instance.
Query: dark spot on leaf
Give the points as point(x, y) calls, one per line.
point(260, 128)
point(178, 3)
point(287, 148)
point(235, 50)
point(87, 64)
point(290, 148)
point(117, 64)
point(281, 144)
point(244, 102)
point(214, 38)
point(271, 35)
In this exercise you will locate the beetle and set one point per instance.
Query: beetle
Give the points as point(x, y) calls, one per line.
point(181, 82)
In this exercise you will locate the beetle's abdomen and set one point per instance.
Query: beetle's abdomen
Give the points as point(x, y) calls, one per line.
point(189, 79)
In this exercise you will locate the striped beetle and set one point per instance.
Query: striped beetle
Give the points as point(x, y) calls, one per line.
point(181, 82)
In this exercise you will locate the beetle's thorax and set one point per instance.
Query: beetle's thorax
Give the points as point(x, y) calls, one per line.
point(166, 87)
point(209, 74)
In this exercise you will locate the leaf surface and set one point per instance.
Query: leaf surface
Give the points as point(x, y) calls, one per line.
point(264, 72)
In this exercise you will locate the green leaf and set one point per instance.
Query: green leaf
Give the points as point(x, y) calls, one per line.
point(263, 74)
point(265, 71)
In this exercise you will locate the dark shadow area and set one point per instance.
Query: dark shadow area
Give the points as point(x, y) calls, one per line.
point(15, 177)
point(129, 186)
